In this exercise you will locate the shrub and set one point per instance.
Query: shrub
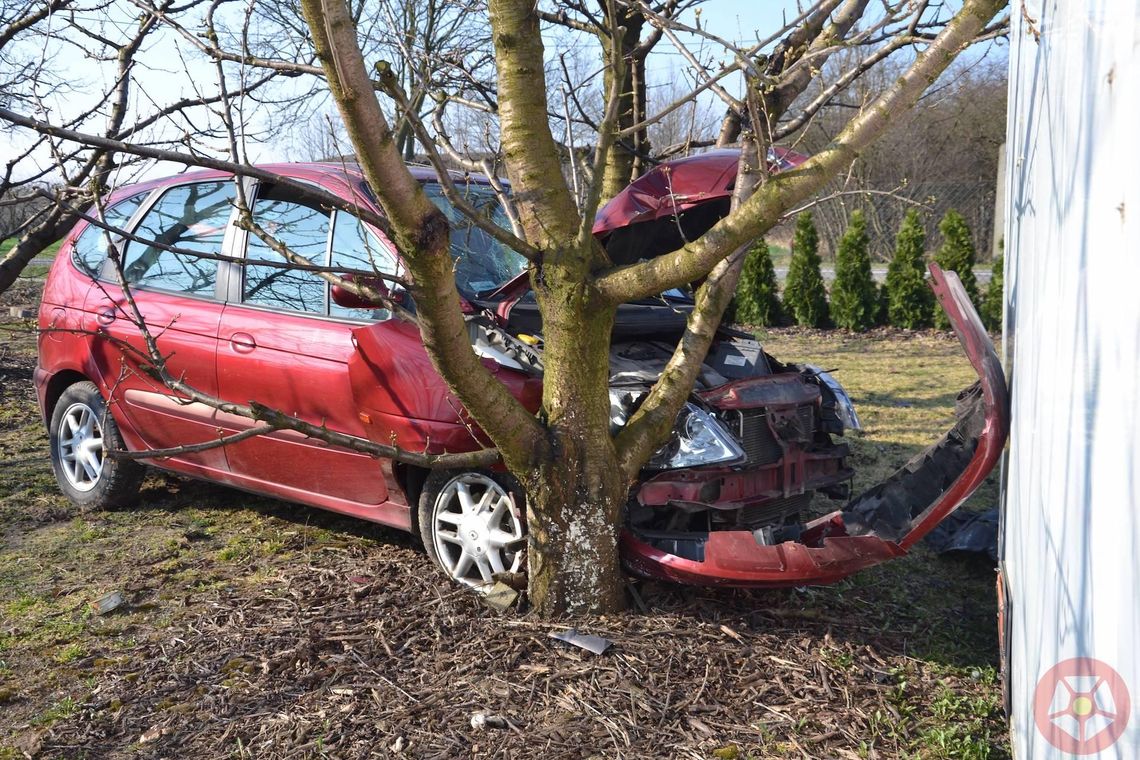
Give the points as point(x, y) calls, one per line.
point(910, 302)
point(994, 301)
point(854, 297)
point(805, 296)
point(757, 299)
point(957, 255)
point(882, 306)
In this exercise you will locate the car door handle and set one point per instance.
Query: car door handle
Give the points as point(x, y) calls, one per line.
point(242, 342)
point(106, 315)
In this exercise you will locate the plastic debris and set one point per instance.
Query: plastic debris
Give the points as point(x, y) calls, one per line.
point(481, 720)
point(595, 644)
point(968, 532)
point(108, 603)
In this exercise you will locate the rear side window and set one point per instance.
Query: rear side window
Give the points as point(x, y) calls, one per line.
point(191, 218)
point(90, 247)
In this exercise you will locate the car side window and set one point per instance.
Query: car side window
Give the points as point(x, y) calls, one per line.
point(303, 229)
point(188, 217)
point(354, 247)
point(90, 247)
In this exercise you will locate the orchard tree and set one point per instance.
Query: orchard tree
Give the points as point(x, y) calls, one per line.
point(576, 473)
point(805, 296)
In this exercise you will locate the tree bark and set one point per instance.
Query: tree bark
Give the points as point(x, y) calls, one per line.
point(576, 496)
point(624, 161)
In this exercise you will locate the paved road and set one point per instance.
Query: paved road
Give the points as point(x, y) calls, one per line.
point(879, 273)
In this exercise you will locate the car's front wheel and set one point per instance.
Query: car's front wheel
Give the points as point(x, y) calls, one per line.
point(472, 525)
point(82, 431)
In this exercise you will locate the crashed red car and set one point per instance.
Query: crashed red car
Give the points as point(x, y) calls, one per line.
point(723, 502)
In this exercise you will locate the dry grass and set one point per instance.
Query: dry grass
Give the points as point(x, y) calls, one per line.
point(259, 629)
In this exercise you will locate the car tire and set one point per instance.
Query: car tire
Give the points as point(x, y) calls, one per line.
point(472, 524)
point(81, 431)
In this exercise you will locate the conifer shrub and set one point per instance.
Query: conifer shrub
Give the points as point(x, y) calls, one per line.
point(910, 301)
point(757, 299)
point(957, 254)
point(854, 297)
point(805, 295)
point(994, 300)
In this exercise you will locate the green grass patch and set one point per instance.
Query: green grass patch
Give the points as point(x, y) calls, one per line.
point(49, 253)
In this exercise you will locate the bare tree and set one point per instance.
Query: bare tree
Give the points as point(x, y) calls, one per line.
point(943, 155)
point(125, 110)
point(575, 472)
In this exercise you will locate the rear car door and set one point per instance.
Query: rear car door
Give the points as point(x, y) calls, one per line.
point(177, 296)
point(283, 344)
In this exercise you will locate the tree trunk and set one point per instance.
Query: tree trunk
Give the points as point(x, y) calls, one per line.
point(576, 496)
point(33, 244)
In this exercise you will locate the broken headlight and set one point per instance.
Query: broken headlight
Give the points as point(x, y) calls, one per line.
point(697, 439)
point(844, 409)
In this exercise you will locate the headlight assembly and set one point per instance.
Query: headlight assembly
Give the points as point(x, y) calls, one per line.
point(697, 439)
point(844, 409)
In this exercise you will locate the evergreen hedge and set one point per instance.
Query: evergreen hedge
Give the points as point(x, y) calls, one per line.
point(854, 297)
point(910, 301)
point(994, 300)
point(757, 299)
point(957, 254)
point(805, 295)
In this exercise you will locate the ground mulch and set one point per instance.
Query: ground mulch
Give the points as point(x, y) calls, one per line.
point(363, 652)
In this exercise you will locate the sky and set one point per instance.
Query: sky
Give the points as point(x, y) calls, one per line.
point(741, 21)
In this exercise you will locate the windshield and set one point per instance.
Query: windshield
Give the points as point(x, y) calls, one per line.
point(482, 263)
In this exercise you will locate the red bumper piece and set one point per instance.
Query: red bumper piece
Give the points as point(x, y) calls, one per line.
point(826, 552)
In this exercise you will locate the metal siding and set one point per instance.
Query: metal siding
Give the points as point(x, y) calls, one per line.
point(1071, 536)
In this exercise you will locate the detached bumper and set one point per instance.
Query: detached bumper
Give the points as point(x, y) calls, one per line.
point(880, 524)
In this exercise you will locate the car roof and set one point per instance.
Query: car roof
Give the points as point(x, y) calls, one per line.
point(343, 171)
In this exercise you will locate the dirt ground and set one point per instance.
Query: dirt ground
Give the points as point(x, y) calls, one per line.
point(254, 628)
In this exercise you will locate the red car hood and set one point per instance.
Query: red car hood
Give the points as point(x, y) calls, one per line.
point(666, 190)
point(676, 186)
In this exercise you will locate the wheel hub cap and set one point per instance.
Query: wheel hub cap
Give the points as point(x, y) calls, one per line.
point(81, 447)
point(476, 526)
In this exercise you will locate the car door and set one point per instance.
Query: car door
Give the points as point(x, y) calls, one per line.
point(283, 346)
point(176, 294)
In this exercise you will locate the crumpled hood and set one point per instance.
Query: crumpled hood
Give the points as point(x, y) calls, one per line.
point(676, 186)
point(672, 203)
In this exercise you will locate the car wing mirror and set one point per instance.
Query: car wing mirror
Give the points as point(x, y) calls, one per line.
point(348, 299)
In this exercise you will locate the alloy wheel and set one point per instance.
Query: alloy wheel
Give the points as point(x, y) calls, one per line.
point(80, 439)
point(476, 527)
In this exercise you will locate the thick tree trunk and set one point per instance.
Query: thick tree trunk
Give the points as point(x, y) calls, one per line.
point(575, 497)
point(29, 247)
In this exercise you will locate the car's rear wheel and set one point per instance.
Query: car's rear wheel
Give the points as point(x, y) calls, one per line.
point(82, 431)
point(472, 525)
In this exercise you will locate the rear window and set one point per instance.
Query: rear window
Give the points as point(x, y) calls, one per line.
point(192, 218)
point(91, 246)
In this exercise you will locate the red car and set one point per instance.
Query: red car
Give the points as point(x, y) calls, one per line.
point(720, 503)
